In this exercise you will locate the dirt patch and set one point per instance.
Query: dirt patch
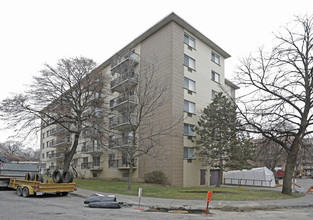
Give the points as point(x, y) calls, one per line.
point(223, 192)
point(236, 209)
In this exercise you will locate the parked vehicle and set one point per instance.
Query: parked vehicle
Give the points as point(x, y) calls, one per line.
point(15, 170)
point(26, 188)
point(280, 174)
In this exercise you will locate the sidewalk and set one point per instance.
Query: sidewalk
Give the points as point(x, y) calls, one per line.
point(199, 205)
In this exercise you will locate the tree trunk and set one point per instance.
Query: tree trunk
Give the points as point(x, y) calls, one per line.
point(220, 179)
point(129, 187)
point(289, 168)
point(68, 156)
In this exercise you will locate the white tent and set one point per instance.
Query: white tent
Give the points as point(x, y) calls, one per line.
point(261, 176)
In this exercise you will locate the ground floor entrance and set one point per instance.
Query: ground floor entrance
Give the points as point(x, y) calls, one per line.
point(214, 177)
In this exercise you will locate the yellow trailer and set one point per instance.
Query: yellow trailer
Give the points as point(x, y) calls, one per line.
point(26, 187)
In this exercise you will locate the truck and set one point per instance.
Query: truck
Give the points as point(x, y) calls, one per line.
point(280, 174)
point(27, 188)
point(15, 170)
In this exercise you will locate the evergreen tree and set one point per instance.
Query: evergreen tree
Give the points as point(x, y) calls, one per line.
point(219, 143)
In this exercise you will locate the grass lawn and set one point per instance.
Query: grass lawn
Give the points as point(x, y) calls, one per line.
point(160, 191)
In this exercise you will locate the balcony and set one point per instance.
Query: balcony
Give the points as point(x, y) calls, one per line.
point(92, 150)
point(121, 142)
point(123, 101)
point(57, 156)
point(59, 130)
point(91, 133)
point(91, 166)
point(124, 62)
point(123, 122)
point(121, 164)
point(61, 143)
point(124, 82)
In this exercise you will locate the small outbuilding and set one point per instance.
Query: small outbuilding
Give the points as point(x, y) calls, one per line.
point(261, 176)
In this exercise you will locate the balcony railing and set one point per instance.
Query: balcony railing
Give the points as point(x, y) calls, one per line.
point(92, 150)
point(90, 166)
point(121, 142)
point(58, 131)
point(123, 122)
point(56, 155)
point(123, 101)
point(124, 82)
point(61, 143)
point(121, 164)
point(124, 62)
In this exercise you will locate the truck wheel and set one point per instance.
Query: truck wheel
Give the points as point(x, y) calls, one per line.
point(57, 176)
point(19, 191)
point(67, 176)
point(25, 192)
point(64, 193)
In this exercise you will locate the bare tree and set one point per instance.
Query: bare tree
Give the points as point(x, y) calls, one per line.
point(140, 100)
point(11, 149)
point(269, 153)
point(281, 91)
point(69, 96)
point(15, 150)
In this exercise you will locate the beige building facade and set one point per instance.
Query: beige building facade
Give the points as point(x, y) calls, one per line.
point(193, 66)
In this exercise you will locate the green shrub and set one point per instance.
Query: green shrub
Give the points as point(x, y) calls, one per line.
point(155, 177)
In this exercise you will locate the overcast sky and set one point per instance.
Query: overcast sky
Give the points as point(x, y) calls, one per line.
point(34, 32)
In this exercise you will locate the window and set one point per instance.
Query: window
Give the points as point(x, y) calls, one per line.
point(190, 41)
point(96, 161)
point(125, 175)
point(188, 130)
point(84, 165)
point(85, 147)
point(112, 162)
point(96, 144)
point(96, 95)
point(43, 135)
point(43, 155)
point(50, 143)
point(85, 159)
point(43, 145)
point(128, 137)
point(47, 154)
point(215, 77)
point(189, 152)
point(215, 58)
point(112, 141)
point(111, 157)
point(214, 93)
point(189, 106)
point(189, 84)
point(188, 61)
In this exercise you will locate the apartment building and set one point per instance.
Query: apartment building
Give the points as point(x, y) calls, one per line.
point(192, 67)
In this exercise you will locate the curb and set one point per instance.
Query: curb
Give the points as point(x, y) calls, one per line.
point(226, 208)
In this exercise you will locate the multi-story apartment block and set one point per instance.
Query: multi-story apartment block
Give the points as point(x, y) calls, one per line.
point(193, 66)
